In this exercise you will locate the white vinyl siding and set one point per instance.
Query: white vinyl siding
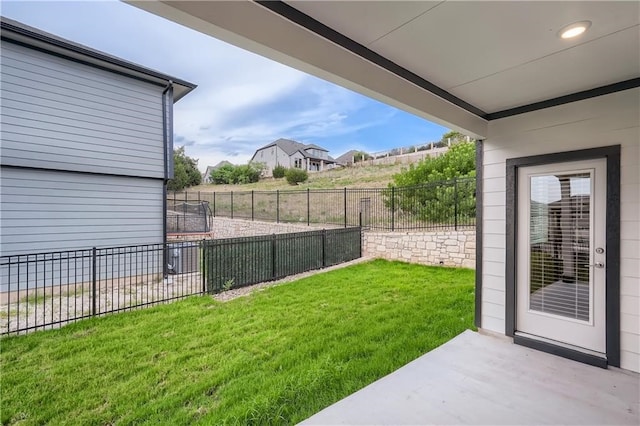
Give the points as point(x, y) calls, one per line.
point(60, 114)
point(50, 211)
point(603, 121)
point(271, 157)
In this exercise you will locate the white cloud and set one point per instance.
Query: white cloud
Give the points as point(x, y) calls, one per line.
point(221, 133)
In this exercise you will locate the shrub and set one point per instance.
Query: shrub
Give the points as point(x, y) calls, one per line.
point(279, 171)
point(360, 156)
point(432, 194)
point(296, 176)
point(230, 174)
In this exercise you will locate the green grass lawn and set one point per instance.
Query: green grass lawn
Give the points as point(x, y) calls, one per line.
point(275, 357)
point(378, 176)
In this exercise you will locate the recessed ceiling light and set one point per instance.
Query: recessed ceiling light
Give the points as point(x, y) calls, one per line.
point(574, 30)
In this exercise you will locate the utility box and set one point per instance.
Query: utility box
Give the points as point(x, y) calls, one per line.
point(183, 258)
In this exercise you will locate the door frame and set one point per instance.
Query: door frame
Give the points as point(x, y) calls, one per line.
point(612, 227)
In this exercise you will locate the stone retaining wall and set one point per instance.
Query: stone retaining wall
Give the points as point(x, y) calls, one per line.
point(443, 247)
point(230, 228)
point(449, 248)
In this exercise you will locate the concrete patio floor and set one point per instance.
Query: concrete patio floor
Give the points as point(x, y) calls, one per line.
point(480, 379)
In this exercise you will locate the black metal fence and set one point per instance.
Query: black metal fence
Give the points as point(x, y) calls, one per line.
point(446, 204)
point(238, 262)
point(47, 290)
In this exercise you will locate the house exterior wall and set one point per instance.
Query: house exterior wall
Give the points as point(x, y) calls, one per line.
point(298, 156)
point(271, 157)
point(60, 114)
point(607, 120)
point(51, 210)
point(82, 155)
point(318, 153)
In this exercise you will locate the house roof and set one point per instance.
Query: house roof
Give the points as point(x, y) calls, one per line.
point(291, 147)
point(222, 163)
point(305, 154)
point(217, 166)
point(461, 64)
point(347, 157)
point(20, 33)
point(313, 146)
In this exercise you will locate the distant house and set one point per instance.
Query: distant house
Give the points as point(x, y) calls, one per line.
point(206, 176)
point(292, 154)
point(86, 145)
point(346, 159)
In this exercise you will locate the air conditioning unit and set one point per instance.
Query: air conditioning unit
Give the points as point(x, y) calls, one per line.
point(183, 258)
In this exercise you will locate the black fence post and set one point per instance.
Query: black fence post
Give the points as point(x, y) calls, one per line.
point(205, 264)
point(252, 209)
point(455, 204)
point(277, 206)
point(231, 204)
point(308, 207)
point(345, 207)
point(94, 279)
point(324, 250)
point(214, 204)
point(199, 197)
point(184, 211)
point(393, 207)
point(273, 257)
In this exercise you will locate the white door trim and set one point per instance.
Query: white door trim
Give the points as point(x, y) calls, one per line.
point(583, 334)
point(612, 154)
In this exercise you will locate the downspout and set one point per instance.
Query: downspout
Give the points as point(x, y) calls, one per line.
point(167, 136)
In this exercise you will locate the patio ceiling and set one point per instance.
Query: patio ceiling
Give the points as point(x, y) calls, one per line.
point(457, 63)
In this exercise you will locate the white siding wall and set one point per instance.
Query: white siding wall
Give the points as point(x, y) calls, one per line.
point(49, 211)
point(60, 114)
point(298, 156)
point(60, 119)
point(607, 120)
point(271, 157)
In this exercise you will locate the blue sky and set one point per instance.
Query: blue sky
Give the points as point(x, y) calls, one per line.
point(243, 101)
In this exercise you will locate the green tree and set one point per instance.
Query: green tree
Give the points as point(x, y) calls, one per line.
point(458, 161)
point(279, 171)
point(435, 189)
point(454, 137)
point(230, 174)
point(296, 176)
point(360, 156)
point(185, 171)
point(223, 174)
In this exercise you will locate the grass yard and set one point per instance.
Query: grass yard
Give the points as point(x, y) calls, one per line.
point(378, 176)
point(275, 357)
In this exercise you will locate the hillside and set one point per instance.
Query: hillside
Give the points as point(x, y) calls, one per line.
point(349, 177)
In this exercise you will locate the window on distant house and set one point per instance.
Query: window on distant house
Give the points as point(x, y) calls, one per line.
point(298, 163)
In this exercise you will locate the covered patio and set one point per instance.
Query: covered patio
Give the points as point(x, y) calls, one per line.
point(551, 93)
point(484, 379)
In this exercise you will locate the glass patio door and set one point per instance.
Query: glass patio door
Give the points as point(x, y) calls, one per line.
point(560, 253)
